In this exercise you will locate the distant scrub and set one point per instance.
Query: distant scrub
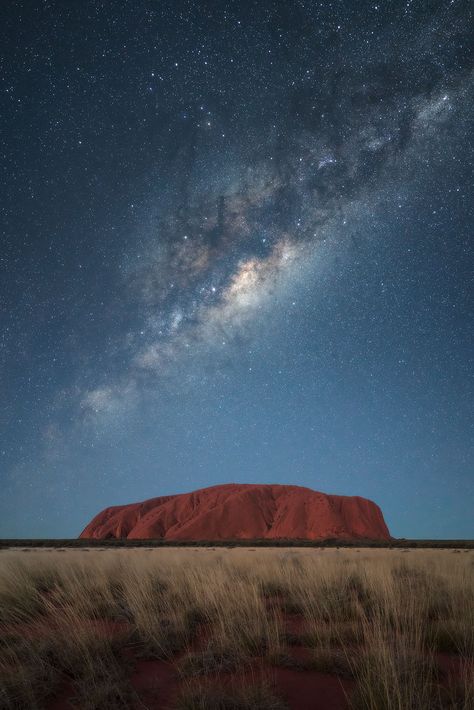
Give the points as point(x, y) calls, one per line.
point(455, 545)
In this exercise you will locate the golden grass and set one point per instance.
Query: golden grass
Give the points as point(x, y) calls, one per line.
point(378, 617)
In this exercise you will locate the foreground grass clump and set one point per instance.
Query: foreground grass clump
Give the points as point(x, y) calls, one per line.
point(210, 661)
point(254, 696)
point(27, 676)
point(397, 629)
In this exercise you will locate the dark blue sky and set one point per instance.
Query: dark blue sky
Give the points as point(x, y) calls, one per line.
point(236, 246)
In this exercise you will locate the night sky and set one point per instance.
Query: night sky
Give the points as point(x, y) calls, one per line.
point(236, 246)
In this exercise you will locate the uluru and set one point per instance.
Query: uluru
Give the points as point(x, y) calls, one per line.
point(243, 512)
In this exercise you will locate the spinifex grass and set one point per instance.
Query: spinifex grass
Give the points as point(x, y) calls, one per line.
point(379, 618)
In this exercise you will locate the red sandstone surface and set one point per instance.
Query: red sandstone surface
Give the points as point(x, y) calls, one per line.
point(243, 512)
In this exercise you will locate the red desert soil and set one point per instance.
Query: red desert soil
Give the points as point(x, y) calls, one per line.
point(158, 685)
point(243, 512)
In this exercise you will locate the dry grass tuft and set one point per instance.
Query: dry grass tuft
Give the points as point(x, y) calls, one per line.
point(210, 661)
point(333, 660)
point(27, 675)
point(206, 695)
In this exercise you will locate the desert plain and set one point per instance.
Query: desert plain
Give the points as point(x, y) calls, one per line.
point(236, 628)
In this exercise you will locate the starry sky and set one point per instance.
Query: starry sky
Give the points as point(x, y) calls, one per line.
point(236, 245)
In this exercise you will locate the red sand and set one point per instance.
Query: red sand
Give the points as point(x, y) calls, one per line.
point(243, 512)
point(158, 683)
point(311, 690)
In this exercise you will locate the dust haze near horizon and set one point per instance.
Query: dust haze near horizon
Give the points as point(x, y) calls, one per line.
point(236, 247)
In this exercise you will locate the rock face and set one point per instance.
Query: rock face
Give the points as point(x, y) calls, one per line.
point(240, 512)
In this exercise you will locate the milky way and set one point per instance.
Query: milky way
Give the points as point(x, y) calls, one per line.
point(237, 248)
point(219, 253)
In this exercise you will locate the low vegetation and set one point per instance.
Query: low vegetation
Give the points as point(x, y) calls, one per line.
point(394, 627)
